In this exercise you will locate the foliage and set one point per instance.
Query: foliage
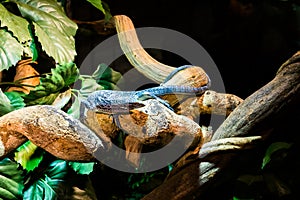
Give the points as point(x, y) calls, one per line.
point(103, 78)
point(135, 181)
point(29, 156)
point(44, 20)
point(10, 101)
point(271, 180)
point(82, 168)
point(39, 29)
point(53, 84)
point(273, 148)
point(9, 44)
point(11, 180)
point(41, 19)
point(55, 33)
point(48, 185)
point(102, 6)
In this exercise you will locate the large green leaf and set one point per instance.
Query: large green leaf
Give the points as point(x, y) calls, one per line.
point(82, 168)
point(5, 106)
point(274, 147)
point(53, 84)
point(89, 85)
point(62, 99)
point(10, 50)
point(107, 77)
point(11, 180)
point(18, 26)
point(10, 101)
point(16, 101)
point(29, 155)
point(104, 78)
point(46, 187)
point(103, 7)
point(97, 4)
point(74, 110)
point(53, 28)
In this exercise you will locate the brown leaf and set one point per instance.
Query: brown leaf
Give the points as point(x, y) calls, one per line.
point(27, 75)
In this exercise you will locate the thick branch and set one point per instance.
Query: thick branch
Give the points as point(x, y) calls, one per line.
point(265, 104)
point(252, 117)
point(147, 65)
point(50, 129)
point(136, 54)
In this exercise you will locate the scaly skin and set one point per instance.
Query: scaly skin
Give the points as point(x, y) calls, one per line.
point(120, 102)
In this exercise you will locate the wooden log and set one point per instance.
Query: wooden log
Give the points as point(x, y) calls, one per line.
point(147, 65)
point(253, 117)
point(50, 129)
point(151, 128)
point(265, 104)
point(211, 102)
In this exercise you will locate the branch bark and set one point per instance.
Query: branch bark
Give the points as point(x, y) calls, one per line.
point(51, 129)
point(253, 117)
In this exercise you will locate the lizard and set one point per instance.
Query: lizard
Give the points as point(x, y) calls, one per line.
point(121, 102)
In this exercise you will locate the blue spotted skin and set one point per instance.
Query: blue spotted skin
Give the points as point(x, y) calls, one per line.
point(120, 102)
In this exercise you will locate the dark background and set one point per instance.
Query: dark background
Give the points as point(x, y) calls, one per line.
point(247, 39)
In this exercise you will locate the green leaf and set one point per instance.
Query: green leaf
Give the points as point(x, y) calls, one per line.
point(103, 78)
point(10, 50)
point(97, 4)
point(89, 85)
point(46, 99)
point(11, 180)
point(107, 13)
point(16, 100)
point(5, 106)
point(55, 31)
point(48, 185)
point(32, 46)
point(82, 168)
point(62, 99)
point(69, 72)
point(29, 155)
point(53, 84)
point(272, 149)
point(103, 7)
point(10, 101)
point(107, 77)
point(74, 110)
point(18, 26)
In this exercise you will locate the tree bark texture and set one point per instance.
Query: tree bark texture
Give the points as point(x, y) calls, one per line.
point(51, 129)
point(253, 117)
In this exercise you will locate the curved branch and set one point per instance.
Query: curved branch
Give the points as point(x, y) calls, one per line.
point(147, 65)
point(136, 54)
point(265, 104)
point(253, 117)
point(50, 129)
